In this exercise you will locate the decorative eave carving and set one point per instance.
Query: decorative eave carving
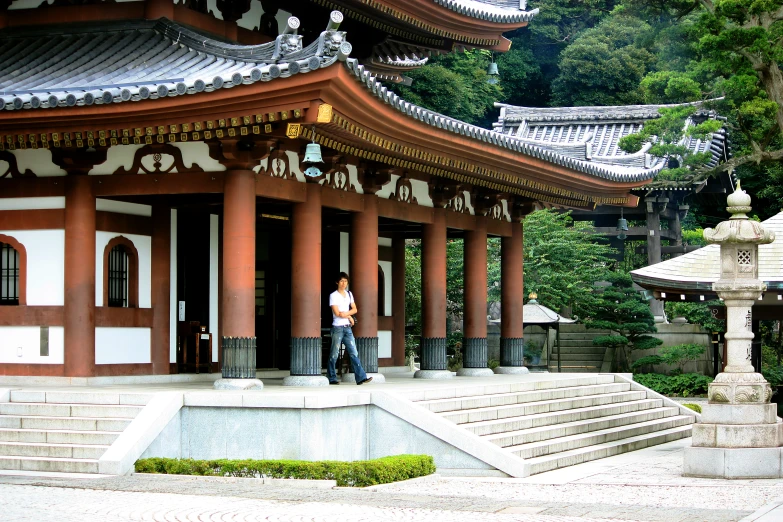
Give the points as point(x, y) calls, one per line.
point(336, 173)
point(78, 161)
point(240, 154)
point(157, 150)
point(233, 10)
point(403, 190)
point(442, 191)
point(13, 168)
point(372, 179)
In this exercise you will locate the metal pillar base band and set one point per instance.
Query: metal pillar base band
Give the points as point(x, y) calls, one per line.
point(433, 353)
point(368, 353)
point(475, 352)
point(239, 357)
point(306, 356)
point(512, 351)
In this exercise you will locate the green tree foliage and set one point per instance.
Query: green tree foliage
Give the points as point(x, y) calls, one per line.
point(622, 310)
point(672, 355)
point(604, 65)
point(413, 285)
point(563, 261)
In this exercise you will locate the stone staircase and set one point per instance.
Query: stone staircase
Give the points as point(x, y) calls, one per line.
point(62, 431)
point(561, 422)
point(577, 352)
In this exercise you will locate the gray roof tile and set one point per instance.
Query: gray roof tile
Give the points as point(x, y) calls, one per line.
point(500, 11)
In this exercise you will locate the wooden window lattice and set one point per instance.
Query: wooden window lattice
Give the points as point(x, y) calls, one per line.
point(9, 275)
point(118, 277)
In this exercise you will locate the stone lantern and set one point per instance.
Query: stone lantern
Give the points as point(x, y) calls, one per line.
point(738, 434)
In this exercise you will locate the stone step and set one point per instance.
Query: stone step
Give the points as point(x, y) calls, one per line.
point(578, 344)
point(58, 436)
point(549, 447)
point(541, 433)
point(592, 334)
point(574, 369)
point(466, 390)
point(49, 464)
point(61, 451)
point(502, 399)
point(63, 423)
point(69, 410)
point(517, 410)
point(577, 357)
point(608, 449)
point(491, 427)
point(75, 397)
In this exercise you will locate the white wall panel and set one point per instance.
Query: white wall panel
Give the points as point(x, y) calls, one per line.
point(387, 286)
point(32, 203)
point(214, 229)
point(121, 207)
point(122, 345)
point(345, 258)
point(173, 289)
point(45, 265)
point(384, 344)
point(143, 245)
point(22, 345)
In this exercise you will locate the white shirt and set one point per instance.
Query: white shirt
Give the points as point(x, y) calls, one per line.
point(343, 305)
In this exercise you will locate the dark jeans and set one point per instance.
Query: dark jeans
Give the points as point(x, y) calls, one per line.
point(344, 335)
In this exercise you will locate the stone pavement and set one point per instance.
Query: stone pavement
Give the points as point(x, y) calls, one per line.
point(643, 486)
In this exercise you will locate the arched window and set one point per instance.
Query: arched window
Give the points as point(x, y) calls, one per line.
point(120, 274)
point(13, 272)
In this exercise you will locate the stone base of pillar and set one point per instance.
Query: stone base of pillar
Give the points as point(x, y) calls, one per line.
point(239, 384)
point(474, 372)
point(306, 380)
point(306, 356)
point(433, 354)
point(511, 370)
point(377, 378)
point(476, 353)
point(512, 352)
point(367, 347)
point(433, 374)
point(732, 463)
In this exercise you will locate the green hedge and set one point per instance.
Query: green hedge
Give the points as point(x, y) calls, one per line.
point(359, 474)
point(683, 385)
point(694, 407)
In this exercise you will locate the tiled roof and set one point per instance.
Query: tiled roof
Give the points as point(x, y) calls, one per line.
point(592, 134)
point(500, 11)
point(503, 140)
point(697, 270)
point(111, 63)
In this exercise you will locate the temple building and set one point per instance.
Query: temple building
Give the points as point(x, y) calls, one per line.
point(171, 177)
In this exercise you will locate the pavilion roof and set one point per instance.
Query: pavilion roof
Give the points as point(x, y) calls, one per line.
point(697, 270)
point(592, 135)
point(500, 11)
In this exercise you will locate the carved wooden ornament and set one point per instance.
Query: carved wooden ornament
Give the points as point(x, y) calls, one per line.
point(157, 151)
point(13, 168)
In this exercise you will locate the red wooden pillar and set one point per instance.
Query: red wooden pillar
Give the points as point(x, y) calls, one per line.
point(398, 300)
point(79, 309)
point(239, 254)
point(433, 298)
point(511, 300)
point(161, 288)
point(306, 291)
point(475, 300)
point(364, 281)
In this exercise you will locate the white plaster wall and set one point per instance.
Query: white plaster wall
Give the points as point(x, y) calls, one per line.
point(421, 192)
point(388, 188)
point(387, 286)
point(32, 203)
point(121, 207)
point(122, 345)
point(28, 338)
point(384, 344)
point(117, 156)
point(469, 203)
point(214, 224)
point(198, 152)
point(345, 249)
point(39, 161)
point(143, 245)
point(385, 241)
point(173, 289)
point(45, 265)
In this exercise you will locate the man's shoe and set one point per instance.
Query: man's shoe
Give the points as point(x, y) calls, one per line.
point(368, 379)
point(334, 382)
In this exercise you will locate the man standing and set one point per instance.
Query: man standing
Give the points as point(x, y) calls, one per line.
point(343, 309)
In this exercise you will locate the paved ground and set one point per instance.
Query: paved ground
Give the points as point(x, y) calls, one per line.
point(640, 486)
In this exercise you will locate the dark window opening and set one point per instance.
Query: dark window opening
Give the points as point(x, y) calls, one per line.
point(118, 277)
point(9, 275)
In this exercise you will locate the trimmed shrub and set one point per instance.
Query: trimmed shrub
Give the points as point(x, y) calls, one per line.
point(358, 474)
point(683, 385)
point(694, 407)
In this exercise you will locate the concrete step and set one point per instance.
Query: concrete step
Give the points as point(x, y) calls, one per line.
point(607, 449)
point(581, 440)
point(502, 399)
point(517, 410)
point(541, 433)
point(49, 464)
point(58, 436)
point(69, 410)
point(491, 427)
point(63, 423)
point(592, 334)
point(76, 397)
point(578, 344)
point(61, 451)
point(467, 390)
point(577, 357)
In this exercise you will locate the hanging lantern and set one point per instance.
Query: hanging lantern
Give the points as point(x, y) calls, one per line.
point(622, 226)
point(492, 73)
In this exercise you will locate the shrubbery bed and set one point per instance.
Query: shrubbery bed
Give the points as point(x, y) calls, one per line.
point(683, 385)
point(359, 473)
